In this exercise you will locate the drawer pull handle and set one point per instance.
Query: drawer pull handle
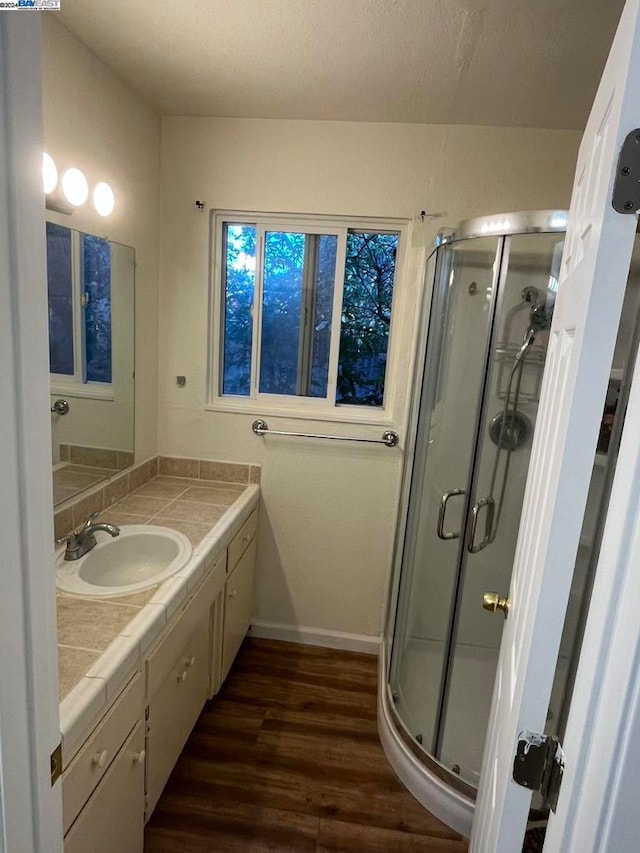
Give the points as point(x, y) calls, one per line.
point(191, 661)
point(233, 593)
point(100, 758)
point(246, 537)
point(182, 676)
point(139, 757)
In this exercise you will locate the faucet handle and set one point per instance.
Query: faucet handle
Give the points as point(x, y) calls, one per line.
point(69, 539)
point(91, 519)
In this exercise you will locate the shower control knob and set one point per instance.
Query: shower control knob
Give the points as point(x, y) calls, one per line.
point(491, 601)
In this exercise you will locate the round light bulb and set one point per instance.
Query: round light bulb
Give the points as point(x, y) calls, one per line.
point(75, 187)
point(103, 199)
point(49, 174)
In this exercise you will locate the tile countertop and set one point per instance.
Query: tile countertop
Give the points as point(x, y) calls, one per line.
point(102, 640)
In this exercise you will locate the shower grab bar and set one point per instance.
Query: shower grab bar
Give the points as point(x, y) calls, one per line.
point(444, 500)
point(490, 503)
point(389, 437)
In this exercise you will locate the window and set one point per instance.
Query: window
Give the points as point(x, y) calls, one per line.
point(303, 310)
point(79, 288)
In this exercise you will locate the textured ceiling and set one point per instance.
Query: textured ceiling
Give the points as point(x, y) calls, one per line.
point(527, 63)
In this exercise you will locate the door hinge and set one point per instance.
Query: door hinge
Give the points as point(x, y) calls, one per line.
point(539, 765)
point(56, 764)
point(626, 187)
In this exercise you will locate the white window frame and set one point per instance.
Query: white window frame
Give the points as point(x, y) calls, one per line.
point(62, 383)
point(311, 408)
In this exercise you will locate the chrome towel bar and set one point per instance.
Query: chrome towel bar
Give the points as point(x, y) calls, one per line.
point(389, 437)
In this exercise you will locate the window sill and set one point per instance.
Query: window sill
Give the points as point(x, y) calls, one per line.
point(84, 392)
point(254, 409)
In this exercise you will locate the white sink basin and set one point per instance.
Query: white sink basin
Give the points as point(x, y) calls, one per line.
point(140, 557)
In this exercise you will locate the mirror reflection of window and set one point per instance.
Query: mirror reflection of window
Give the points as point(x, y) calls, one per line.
point(79, 290)
point(59, 283)
point(97, 308)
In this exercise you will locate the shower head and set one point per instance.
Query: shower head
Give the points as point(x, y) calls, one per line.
point(540, 318)
point(539, 321)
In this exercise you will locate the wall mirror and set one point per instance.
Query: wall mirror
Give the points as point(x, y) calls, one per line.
point(90, 284)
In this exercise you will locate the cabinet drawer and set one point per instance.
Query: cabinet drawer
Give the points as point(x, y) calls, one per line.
point(170, 645)
point(238, 606)
point(174, 709)
point(241, 540)
point(112, 819)
point(92, 761)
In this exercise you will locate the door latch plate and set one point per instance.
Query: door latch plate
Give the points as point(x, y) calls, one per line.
point(539, 765)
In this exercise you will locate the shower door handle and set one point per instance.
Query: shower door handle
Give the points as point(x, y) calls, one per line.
point(441, 514)
point(490, 503)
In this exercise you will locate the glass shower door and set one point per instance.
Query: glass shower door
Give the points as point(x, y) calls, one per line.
point(459, 330)
point(530, 266)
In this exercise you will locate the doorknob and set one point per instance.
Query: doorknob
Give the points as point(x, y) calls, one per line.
point(491, 601)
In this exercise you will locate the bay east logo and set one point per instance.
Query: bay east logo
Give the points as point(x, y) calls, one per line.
point(39, 5)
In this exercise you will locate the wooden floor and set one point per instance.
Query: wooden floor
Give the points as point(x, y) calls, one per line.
point(287, 758)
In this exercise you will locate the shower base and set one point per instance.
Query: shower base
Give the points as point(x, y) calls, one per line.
point(468, 711)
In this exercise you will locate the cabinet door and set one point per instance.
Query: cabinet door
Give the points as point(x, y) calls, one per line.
point(113, 818)
point(174, 709)
point(92, 762)
point(237, 607)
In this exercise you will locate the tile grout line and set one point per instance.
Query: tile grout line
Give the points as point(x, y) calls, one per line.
point(101, 599)
point(98, 652)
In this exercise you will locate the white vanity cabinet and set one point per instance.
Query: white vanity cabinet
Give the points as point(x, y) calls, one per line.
point(238, 603)
point(178, 683)
point(113, 783)
point(106, 778)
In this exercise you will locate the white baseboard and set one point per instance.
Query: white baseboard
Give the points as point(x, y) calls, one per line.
point(316, 637)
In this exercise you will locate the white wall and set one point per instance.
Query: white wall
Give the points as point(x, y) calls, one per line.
point(95, 122)
point(329, 509)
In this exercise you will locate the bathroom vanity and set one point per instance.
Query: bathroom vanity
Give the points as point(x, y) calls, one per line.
point(125, 721)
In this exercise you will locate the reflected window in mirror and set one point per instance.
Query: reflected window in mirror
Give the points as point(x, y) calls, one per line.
point(96, 284)
point(59, 283)
point(79, 288)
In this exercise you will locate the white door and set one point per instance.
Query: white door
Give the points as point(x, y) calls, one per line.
point(30, 807)
point(592, 282)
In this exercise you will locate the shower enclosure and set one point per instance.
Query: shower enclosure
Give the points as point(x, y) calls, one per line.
point(494, 284)
point(477, 387)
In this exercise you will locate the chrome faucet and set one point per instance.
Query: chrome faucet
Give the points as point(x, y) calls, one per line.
point(83, 540)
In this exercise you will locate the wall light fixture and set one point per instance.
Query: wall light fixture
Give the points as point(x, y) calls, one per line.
point(103, 199)
point(73, 190)
point(75, 187)
point(49, 174)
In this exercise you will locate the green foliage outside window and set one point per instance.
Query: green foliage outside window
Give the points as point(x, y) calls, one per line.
point(365, 318)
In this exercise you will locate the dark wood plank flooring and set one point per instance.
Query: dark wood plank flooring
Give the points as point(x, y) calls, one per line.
point(287, 758)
